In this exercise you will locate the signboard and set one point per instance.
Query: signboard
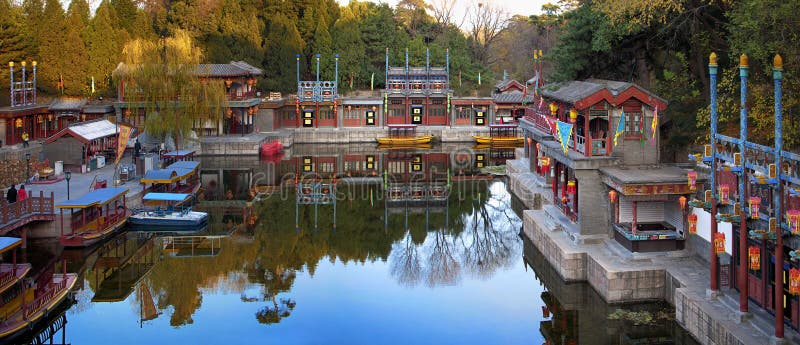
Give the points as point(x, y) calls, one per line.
point(308, 118)
point(416, 115)
point(370, 117)
point(480, 118)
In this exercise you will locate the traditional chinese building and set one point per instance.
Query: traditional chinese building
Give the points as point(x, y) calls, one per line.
point(417, 95)
point(317, 100)
point(242, 100)
point(595, 144)
point(510, 98)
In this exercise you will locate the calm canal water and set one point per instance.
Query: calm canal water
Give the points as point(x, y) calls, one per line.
point(449, 271)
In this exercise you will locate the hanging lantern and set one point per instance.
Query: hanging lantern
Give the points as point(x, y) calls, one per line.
point(754, 256)
point(724, 193)
point(553, 108)
point(545, 161)
point(564, 200)
point(794, 281)
point(18, 122)
point(571, 187)
point(39, 118)
point(755, 204)
point(612, 196)
point(719, 243)
point(573, 116)
point(692, 179)
point(545, 311)
point(793, 218)
point(692, 220)
point(538, 147)
point(682, 202)
point(228, 83)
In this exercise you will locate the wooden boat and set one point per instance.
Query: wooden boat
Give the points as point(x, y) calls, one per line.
point(93, 216)
point(168, 210)
point(404, 135)
point(502, 134)
point(25, 305)
point(178, 177)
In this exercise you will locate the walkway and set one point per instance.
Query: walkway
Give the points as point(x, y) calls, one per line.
point(33, 209)
point(679, 277)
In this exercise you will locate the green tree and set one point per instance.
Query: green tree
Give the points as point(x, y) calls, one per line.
point(347, 42)
point(282, 42)
point(52, 48)
point(32, 24)
point(162, 74)
point(103, 47)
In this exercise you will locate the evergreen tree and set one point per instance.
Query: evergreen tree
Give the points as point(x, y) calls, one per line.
point(103, 47)
point(79, 8)
point(33, 23)
point(348, 44)
point(322, 45)
point(52, 47)
point(127, 14)
point(282, 42)
point(12, 41)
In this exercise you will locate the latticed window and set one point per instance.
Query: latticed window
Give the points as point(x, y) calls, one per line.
point(633, 124)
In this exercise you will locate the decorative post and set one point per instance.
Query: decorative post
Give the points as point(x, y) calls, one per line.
point(24, 91)
point(297, 58)
point(743, 263)
point(447, 66)
point(386, 86)
point(777, 76)
point(317, 67)
point(11, 94)
point(712, 69)
point(33, 87)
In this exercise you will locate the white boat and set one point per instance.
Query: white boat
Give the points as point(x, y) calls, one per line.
point(168, 210)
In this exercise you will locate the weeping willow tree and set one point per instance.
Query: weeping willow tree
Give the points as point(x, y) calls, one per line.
point(164, 77)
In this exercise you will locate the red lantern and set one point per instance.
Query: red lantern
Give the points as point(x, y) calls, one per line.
point(755, 204)
point(692, 219)
point(612, 196)
point(692, 179)
point(564, 200)
point(793, 218)
point(571, 187)
point(538, 147)
point(724, 193)
point(545, 162)
point(682, 202)
point(719, 243)
point(754, 254)
point(794, 281)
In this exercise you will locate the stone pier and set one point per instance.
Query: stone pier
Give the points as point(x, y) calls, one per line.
point(619, 276)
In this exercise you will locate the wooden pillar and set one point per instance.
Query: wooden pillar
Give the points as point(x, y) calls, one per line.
point(62, 221)
point(633, 223)
point(586, 135)
point(554, 180)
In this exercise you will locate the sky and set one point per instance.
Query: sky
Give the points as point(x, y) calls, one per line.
point(524, 7)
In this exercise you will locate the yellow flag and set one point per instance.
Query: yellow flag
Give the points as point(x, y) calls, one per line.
point(122, 142)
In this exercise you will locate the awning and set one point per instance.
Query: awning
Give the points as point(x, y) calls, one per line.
point(87, 131)
point(97, 197)
point(166, 196)
point(9, 243)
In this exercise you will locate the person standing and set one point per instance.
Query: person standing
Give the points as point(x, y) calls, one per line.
point(22, 194)
point(137, 148)
point(25, 139)
point(11, 195)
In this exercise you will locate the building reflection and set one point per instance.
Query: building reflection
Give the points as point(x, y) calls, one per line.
point(574, 313)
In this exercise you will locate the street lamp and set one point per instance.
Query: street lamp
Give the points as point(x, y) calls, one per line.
point(27, 167)
point(67, 176)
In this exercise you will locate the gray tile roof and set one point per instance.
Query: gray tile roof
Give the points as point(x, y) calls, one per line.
point(574, 91)
point(512, 97)
point(66, 104)
point(233, 69)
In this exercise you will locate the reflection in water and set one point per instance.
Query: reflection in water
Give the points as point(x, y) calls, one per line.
point(576, 314)
point(443, 260)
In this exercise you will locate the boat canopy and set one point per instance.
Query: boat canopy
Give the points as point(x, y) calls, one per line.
point(9, 243)
point(178, 154)
point(177, 171)
point(166, 197)
point(97, 197)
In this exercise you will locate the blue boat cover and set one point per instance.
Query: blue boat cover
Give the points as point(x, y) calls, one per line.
point(100, 196)
point(165, 196)
point(159, 175)
point(178, 154)
point(191, 165)
point(7, 243)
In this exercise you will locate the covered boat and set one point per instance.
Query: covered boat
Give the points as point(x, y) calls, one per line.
point(271, 148)
point(93, 216)
point(404, 135)
point(168, 210)
point(25, 304)
point(502, 135)
point(178, 177)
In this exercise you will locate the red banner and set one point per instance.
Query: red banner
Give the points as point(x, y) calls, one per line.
point(122, 140)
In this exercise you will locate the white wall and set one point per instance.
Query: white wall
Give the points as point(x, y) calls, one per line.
point(704, 228)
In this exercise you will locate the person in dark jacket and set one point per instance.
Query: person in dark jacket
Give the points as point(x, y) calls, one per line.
point(11, 195)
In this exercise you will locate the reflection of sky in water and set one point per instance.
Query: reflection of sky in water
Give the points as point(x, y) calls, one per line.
point(467, 286)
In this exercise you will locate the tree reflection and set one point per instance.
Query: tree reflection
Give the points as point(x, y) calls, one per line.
point(405, 264)
point(276, 281)
point(443, 266)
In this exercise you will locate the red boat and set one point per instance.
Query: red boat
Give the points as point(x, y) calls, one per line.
point(271, 148)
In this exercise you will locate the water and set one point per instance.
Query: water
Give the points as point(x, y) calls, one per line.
point(455, 271)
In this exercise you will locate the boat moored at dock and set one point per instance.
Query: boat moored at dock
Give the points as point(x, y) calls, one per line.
point(404, 135)
point(168, 210)
point(93, 216)
point(501, 134)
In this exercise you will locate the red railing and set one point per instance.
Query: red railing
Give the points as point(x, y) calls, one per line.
point(6, 277)
point(30, 206)
point(541, 121)
point(103, 222)
point(43, 299)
